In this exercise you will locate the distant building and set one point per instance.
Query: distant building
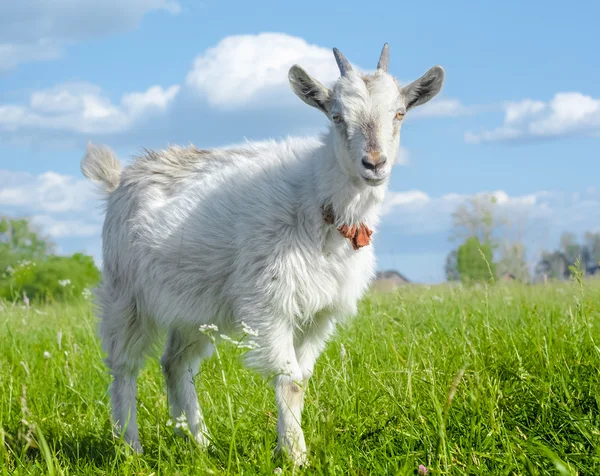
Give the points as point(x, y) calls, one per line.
point(389, 280)
point(506, 277)
point(594, 269)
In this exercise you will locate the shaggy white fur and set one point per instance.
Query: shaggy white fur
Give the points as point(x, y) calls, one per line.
point(225, 236)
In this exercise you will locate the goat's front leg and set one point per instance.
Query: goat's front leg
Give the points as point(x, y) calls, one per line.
point(310, 343)
point(290, 437)
point(275, 355)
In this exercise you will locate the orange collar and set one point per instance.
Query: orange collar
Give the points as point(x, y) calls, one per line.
point(359, 235)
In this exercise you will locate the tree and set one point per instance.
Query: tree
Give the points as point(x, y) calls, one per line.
point(26, 265)
point(451, 267)
point(512, 261)
point(591, 249)
point(475, 261)
point(569, 246)
point(552, 266)
point(557, 264)
point(477, 217)
point(20, 241)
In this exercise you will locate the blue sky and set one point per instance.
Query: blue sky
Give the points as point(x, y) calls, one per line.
point(519, 115)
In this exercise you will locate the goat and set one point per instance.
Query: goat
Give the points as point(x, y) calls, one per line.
point(272, 235)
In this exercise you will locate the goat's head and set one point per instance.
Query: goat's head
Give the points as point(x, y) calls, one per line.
point(366, 112)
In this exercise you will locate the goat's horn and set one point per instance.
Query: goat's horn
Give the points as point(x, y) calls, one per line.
point(342, 62)
point(384, 59)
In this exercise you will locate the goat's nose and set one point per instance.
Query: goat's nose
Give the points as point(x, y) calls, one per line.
point(372, 163)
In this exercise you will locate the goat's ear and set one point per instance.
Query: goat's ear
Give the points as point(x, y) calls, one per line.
point(311, 91)
point(425, 88)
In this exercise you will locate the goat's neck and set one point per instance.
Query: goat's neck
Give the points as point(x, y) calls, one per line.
point(351, 200)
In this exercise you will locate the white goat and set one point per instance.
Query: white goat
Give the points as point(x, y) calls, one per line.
point(273, 234)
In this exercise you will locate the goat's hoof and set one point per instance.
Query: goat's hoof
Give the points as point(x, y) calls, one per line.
point(298, 457)
point(203, 440)
point(135, 446)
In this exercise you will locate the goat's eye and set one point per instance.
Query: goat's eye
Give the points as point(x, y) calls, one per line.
point(399, 115)
point(336, 118)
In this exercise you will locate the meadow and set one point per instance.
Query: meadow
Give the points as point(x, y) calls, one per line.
point(501, 379)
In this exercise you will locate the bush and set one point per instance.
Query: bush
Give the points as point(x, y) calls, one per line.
point(51, 278)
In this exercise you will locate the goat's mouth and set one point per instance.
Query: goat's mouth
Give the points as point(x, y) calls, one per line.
point(373, 181)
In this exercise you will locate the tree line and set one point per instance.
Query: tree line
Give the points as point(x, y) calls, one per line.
point(31, 270)
point(492, 247)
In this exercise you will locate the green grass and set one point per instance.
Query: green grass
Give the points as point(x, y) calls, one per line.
point(500, 380)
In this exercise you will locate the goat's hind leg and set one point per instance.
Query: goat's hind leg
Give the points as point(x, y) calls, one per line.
point(126, 339)
point(181, 362)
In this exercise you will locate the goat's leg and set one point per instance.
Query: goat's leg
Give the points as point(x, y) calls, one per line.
point(290, 437)
point(181, 361)
point(123, 400)
point(125, 338)
point(310, 344)
point(275, 355)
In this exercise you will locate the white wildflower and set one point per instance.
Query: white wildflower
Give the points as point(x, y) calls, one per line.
point(248, 330)
point(181, 422)
point(207, 328)
point(169, 422)
point(250, 344)
point(47, 355)
point(64, 282)
point(229, 339)
point(437, 298)
point(86, 293)
point(278, 470)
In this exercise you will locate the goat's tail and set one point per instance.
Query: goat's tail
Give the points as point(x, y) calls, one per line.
point(101, 165)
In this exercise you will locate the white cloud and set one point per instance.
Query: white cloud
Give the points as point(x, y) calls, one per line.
point(420, 213)
point(40, 30)
point(46, 192)
point(539, 217)
point(516, 112)
point(63, 228)
point(442, 107)
point(12, 54)
point(567, 114)
point(251, 69)
point(62, 206)
point(247, 73)
point(245, 69)
point(403, 156)
point(84, 108)
point(411, 198)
